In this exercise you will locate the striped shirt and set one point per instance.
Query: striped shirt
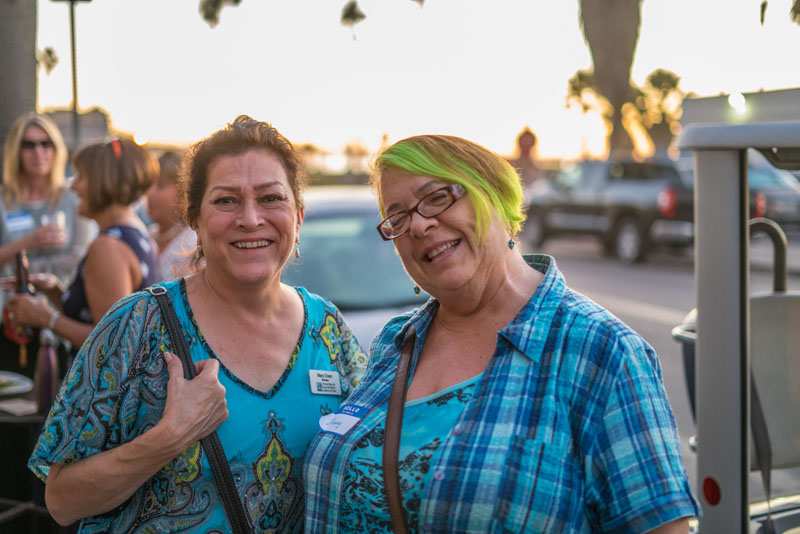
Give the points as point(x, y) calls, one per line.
point(569, 429)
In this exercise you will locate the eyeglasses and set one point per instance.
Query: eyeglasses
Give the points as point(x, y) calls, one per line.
point(431, 205)
point(27, 144)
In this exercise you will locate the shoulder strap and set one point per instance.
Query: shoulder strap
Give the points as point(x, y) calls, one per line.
point(391, 439)
point(211, 443)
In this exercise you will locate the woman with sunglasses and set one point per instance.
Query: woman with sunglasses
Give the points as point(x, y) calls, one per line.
point(120, 260)
point(506, 403)
point(37, 211)
point(38, 215)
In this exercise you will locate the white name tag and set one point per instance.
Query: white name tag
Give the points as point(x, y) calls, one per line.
point(342, 421)
point(19, 222)
point(324, 382)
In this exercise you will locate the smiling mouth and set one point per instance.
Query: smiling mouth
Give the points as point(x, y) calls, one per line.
point(441, 249)
point(263, 243)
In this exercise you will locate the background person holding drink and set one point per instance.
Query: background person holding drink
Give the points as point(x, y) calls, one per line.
point(38, 212)
point(110, 178)
point(38, 215)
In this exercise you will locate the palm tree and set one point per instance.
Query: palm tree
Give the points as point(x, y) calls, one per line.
point(611, 29)
point(17, 61)
point(660, 104)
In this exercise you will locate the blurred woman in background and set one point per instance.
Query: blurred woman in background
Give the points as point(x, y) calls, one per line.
point(38, 212)
point(176, 241)
point(122, 259)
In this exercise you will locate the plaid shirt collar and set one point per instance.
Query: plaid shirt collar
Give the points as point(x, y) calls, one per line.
point(542, 307)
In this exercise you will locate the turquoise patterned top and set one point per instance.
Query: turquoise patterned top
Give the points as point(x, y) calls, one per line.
point(427, 423)
point(116, 390)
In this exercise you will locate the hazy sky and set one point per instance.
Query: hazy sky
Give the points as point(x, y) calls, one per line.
point(481, 69)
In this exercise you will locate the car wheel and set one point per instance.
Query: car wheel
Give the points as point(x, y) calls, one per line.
point(533, 232)
point(629, 240)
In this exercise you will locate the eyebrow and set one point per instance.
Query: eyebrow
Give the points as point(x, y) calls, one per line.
point(419, 193)
point(234, 188)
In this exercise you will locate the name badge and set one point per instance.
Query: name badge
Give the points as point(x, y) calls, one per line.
point(20, 221)
point(325, 382)
point(342, 421)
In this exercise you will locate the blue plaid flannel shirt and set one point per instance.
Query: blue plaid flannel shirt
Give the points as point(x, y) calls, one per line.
point(570, 429)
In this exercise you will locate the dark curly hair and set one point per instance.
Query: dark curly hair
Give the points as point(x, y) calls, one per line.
point(237, 137)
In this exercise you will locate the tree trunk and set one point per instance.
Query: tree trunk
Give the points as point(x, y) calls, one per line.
point(17, 61)
point(611, 29)
point(661, 135)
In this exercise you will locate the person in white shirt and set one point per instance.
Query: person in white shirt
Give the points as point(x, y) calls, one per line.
point(176, 241)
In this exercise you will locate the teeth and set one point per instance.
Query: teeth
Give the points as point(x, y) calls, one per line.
point(441, 248)
point(251, 244)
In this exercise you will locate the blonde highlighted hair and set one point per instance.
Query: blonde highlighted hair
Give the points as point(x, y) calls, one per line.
point(12, 166)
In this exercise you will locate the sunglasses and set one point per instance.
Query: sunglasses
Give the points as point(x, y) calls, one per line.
point(27, 144)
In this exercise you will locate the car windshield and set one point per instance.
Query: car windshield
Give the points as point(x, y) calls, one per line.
point(344, 260)
point(764, 177)
point(759, 176)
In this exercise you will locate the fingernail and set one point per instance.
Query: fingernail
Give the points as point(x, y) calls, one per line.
point(167, 356)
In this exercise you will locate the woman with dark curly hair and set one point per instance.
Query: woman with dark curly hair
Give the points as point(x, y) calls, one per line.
point(120, 448)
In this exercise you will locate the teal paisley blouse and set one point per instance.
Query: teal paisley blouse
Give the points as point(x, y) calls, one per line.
point(116, 391)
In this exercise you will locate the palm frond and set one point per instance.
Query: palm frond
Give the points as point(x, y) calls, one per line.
point(209, 9)
point(352, 14)
point(47, 58)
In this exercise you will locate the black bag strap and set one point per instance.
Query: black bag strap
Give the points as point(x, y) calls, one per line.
point(391, 438)
point(211, 443)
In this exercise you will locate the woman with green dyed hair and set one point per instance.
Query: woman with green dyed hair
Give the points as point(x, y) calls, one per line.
point(507, 402)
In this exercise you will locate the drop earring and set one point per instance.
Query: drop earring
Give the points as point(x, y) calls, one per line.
point(511, 244)
point(417, 290)
point(297, 249)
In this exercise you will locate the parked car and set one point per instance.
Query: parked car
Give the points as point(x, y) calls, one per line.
point(630, 206)
point(635, 207)
point(344, 259)
point(774, 193)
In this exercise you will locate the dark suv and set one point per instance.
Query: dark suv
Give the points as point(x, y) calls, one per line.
point(631, 206)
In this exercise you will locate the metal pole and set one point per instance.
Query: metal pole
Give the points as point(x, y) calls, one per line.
point(76, 129)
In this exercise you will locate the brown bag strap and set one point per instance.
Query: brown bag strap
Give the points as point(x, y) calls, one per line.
point(391, 438)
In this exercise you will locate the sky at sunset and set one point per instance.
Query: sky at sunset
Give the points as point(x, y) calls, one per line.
point(480, 69)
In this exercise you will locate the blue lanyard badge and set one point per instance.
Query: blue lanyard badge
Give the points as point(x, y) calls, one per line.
point(342, 421)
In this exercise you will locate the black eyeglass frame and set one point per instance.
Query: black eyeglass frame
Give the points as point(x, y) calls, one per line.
point(456, 191)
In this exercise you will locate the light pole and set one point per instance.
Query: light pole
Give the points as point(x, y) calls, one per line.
point(76, 128)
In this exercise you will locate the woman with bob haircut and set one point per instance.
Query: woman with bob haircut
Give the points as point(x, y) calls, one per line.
point(38, 213)
point(517, 404)
point(120, 447)
point(110, 177)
